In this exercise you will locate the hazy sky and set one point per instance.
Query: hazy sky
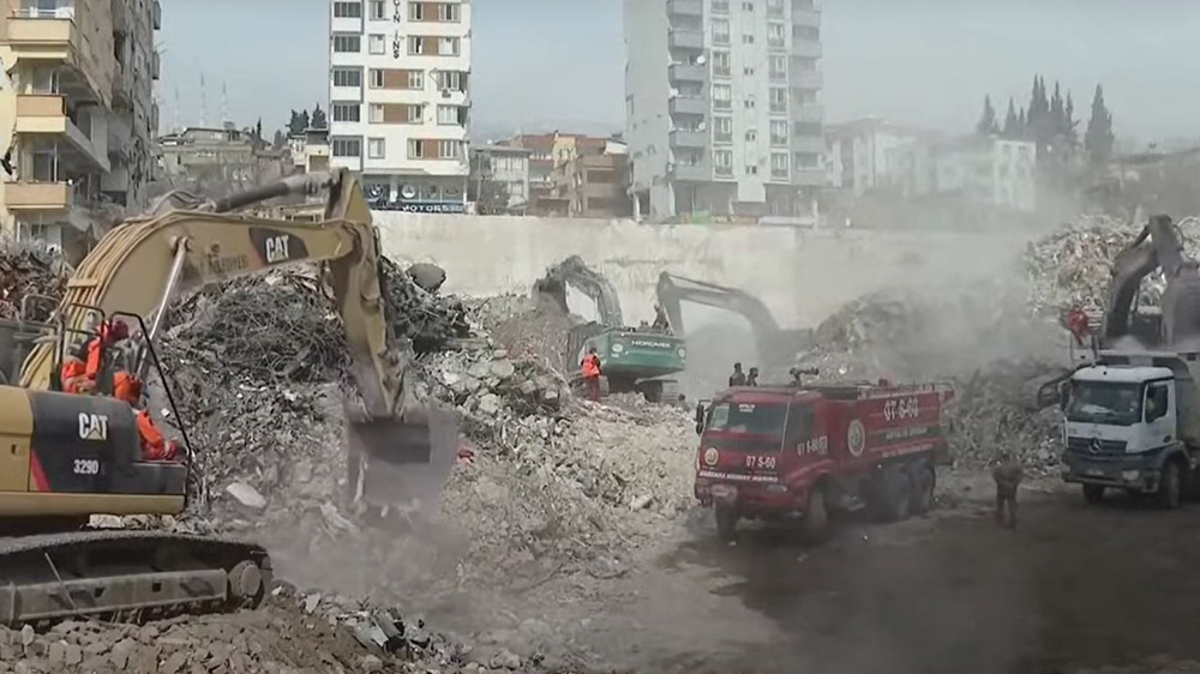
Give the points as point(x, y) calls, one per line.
point(553, 63)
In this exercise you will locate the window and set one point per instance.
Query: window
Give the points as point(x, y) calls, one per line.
point(347, 77)
point(416, 148)
point(378, 10)
point(416, 11)
point(413, 113)
point(775, 7)
point(376, 148)
point(416, 79)
point(1158, 401)
point(416, 44)
point(747, 6)
point(376, 78)
point(751, 170)
point(449, 149)
point(723, 161)
point(778, 99)
point(347, 10)
point(347, 44)
point(778, 67)
point(452, 80)
point(751, 135)
point(720, 6)
point(776, 35)
point(779, 165)
point(377, 44)
point(747, 39)
point(720, 29)
point(749, 102)
point(347, 112)
point(450, 114)
point(722, 96)
point(723, 129)
point(721, 66)
point(347, 147)
point(449, 12)
point(375, 113)
point(748, 70)
point(779, 132)
point(448, 46)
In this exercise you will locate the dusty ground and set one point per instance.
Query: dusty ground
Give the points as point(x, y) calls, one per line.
point(1073, 589)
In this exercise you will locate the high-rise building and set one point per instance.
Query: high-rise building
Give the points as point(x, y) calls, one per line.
point(81, 108)
point(399, 102)
point(722, 111)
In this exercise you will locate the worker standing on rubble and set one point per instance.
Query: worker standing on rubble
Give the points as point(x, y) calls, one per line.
point(591, 374)
point(752, 378)
point(738, 378)
point(1008, 475)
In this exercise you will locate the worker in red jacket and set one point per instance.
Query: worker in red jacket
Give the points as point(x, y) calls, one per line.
point(591, 374)
point(155, 447)
point(81, 367)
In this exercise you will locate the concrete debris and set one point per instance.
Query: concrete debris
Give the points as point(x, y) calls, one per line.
point(25, 272)
point(428, 277)
point(246, 495)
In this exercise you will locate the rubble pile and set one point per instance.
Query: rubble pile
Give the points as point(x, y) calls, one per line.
point(417, 312)
point(1070, 268)
point(23, 273)
point(529, 328)
point(295, 633)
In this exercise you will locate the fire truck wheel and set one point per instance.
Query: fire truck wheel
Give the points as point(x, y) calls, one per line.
point(726, 523)
point(816, 517)
point(922, 493)
point(898, 486)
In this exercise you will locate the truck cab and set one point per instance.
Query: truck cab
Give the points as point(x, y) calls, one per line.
point(1129, 423)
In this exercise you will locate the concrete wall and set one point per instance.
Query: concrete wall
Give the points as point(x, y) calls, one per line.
point(802, 275)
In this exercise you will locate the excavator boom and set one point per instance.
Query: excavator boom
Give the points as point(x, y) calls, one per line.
point(1157, 247)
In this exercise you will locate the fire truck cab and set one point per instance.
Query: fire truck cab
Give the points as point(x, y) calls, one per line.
point(799, 452)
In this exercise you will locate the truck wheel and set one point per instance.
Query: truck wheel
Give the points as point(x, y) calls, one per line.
point(726, 523)
point(816, 517)
point(922, 494)
point(1170, 489)
point(900, 491)
point(1093, 493)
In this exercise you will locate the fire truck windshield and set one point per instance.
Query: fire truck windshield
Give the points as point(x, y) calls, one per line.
point(756, 418)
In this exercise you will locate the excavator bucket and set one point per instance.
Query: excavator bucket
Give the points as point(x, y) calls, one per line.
point(400, 465)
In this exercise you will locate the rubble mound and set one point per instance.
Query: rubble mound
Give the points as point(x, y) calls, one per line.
point(25, 272)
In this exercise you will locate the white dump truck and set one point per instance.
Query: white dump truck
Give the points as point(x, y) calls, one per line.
point(1132, 422)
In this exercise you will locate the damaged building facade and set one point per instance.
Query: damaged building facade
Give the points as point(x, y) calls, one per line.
point(82, 113)
point(399, 100)
point(722, 111)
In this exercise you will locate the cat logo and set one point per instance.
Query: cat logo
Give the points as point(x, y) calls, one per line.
point(93, 427)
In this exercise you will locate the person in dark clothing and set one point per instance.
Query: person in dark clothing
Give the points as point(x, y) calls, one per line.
point(738, 378)
point(660, 320)
point(752, 378)
point(1008, 475)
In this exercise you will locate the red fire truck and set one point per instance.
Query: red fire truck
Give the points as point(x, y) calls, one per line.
point(775, 452)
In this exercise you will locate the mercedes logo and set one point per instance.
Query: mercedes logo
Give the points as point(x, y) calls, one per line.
point(1094, 447)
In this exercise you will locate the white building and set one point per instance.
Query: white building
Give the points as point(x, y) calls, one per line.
point(978, 169)
point(722, 112)
point(398, 99)
point(856, 157)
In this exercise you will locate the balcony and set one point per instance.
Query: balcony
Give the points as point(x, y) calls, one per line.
point(686, 39)
point(808, 79)
point(45, 114)
point(808, 144)
point(811, 113)
point(53, 31)
point(809, 18)
point(682, 72)
point(700, 171)
point(685, 7)
point(806, 48)
point(681, 105)
point(23, 196)
point(686, 138)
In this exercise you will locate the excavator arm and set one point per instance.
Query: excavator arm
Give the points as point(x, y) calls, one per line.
point(574, 272)
point(1158, 246)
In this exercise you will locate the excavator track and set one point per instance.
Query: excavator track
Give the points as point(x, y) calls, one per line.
point(126, 575)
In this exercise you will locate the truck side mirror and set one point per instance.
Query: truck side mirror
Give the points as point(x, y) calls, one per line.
point(701, 414)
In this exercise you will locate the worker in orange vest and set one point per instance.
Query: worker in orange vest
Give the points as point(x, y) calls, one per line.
point(155, 447)
point(591, 374)
point(81, 367)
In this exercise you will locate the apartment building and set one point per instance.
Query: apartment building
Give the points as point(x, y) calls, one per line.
point(399, 100)
point(594, 179)
point(218, 161)
point(499, 179)
point(980, 170)
point(722, 111)
point(857, 153)
point(80, 107)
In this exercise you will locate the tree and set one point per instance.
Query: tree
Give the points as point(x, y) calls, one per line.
point(1071, 122)
point(1012, 123)
point(298, 123)
point(1058, 113)
point(280, 140)
point(987, 121)
point(319, 120)
point(258, 131)
point(1098, 139)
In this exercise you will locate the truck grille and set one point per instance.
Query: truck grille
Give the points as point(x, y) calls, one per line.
point(1095, 446)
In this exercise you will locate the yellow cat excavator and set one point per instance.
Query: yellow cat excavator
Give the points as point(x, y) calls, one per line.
point(67, 456)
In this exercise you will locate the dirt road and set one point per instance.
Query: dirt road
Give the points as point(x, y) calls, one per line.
point(1073, 588)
